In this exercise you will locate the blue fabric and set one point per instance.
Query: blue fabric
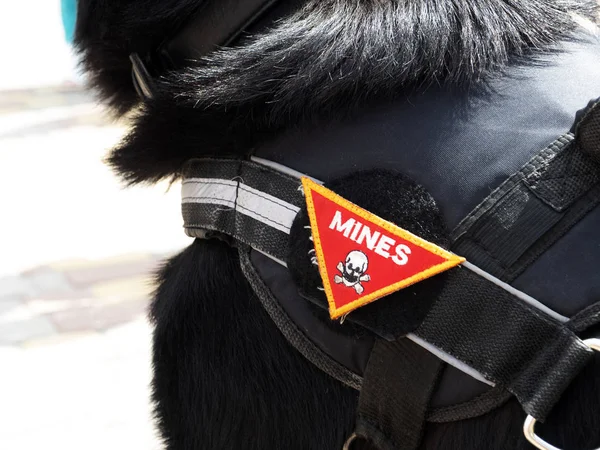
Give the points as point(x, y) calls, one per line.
point(69, 17)
point(460, 146)
point(437, 138)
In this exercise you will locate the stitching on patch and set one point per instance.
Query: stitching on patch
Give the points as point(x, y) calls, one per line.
point(411, 237)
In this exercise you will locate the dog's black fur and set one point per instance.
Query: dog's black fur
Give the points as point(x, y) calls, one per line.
point(225, 378)
point(341, 55)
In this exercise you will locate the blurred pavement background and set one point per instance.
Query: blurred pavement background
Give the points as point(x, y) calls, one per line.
point(76, 254)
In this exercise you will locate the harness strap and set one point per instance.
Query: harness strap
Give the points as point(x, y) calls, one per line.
point(479, 324)
point(503, 339)
point(399, 382)
point(536, 206)
point(251, 202)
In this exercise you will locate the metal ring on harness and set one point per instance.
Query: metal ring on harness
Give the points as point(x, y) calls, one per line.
point(350, 440)
point(529, 425)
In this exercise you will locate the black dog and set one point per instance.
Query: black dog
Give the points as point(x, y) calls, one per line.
point(224, 375)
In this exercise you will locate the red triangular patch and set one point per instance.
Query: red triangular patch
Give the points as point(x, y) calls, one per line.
point(362, 257)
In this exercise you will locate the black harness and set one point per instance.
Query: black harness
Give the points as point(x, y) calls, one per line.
point(478, 323)
point(471, 318)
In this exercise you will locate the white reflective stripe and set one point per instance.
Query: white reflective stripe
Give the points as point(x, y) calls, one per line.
point(522, 295)
point(201, 190)
point(281, 168)
point(268, 198)
point(277, 260)
point(449, 359)
point(251, 202)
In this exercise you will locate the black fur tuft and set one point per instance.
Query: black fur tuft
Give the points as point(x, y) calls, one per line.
point(328, 60)
point(165, 136)
point(224, 375)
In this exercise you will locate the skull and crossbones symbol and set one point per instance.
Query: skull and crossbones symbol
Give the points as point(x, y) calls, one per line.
point(353, 271)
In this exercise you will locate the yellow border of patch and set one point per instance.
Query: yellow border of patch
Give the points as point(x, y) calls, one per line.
point(452, 260)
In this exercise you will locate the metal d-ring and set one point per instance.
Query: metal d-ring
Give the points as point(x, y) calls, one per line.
point(353, 437)
point(529, 425)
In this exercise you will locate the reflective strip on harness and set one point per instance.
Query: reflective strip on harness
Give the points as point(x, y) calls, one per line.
point(478, 324)
point(239, 196)
point(251, 202)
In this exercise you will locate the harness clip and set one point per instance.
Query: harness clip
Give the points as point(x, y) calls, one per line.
point(530, 421)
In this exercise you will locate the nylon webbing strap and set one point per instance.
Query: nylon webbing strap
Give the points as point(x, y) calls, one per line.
point(250, 202)
point(536, 206)
point(507, 340)
point(397, 387)
point(479, 324)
